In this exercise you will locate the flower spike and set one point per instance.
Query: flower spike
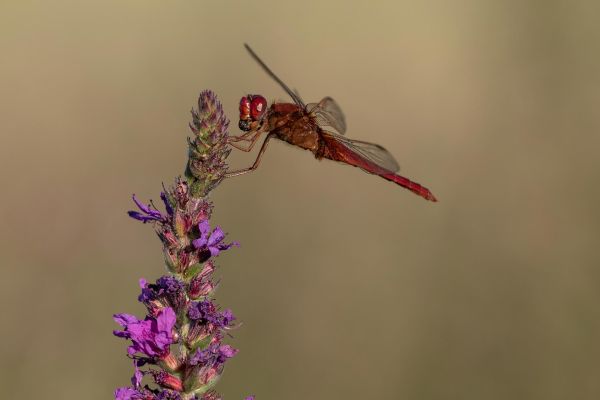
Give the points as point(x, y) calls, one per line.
point(179, 343)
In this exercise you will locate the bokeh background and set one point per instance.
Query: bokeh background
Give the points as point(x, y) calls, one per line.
point(347, 286)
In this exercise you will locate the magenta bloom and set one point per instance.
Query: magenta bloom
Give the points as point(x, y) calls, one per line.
point(126, 393)
point(152, 336)
point(211, 242)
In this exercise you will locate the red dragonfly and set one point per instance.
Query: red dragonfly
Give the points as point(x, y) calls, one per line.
point(303, 125)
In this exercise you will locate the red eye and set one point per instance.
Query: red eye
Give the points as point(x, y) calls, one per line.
point(244, 108)
point(258, 106)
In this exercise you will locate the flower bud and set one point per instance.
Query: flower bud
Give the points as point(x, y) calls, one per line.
point(200, 286)
point(171, 259)
point(170, 362)
point(211, 395)
point(167, 380)
point(168, 238)
point(209, 375)
point(181, 193)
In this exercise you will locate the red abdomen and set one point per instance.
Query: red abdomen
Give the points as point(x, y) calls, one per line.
point(334, 150)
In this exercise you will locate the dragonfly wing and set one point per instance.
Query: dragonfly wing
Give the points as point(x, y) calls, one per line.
point(371, 152)
point(328, 113)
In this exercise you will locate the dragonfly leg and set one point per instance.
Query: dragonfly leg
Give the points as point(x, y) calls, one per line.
point(239, 172)
point(240, 138)
point(241, 147)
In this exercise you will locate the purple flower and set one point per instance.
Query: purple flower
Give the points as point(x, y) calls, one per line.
point(148, 212)
point(206, 312)
point(169, 285)
point(147, 294)
point(126, 393)
point(227, 318)
point(181, 317)
point(152, 336)
point(211, 242)
point(168, 395)
point(167, 291)
point(214, 355)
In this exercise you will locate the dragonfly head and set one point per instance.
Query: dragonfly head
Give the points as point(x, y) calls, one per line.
point(252, 111)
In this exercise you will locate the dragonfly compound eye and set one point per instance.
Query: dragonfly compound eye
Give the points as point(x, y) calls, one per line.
point(245, 107)
point(258, 106)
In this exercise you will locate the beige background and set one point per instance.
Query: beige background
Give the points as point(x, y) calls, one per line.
point(348, 286)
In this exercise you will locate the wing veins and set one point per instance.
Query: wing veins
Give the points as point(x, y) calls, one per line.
point(369, 151)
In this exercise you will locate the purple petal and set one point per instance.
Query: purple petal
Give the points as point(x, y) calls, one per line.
point(126, 393)
point(147, 209)
point(150, 336)
point(216, 236)
point(214, 251)
point(140, 217)
point(166, 320)
point(125, 319)
point(136, 379)
point(168, 207)
point(227, 351)
point(199, 243)
point(204, 228)
point(141, 205)
point(227, 317)
point(122, 334)
point(223, 246)
point(131, 350)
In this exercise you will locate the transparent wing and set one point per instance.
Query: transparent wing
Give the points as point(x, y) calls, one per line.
point(370, 151)
point(328, 113)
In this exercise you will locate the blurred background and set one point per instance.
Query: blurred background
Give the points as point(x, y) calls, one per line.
point(347, 285)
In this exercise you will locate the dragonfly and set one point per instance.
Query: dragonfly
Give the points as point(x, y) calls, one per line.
point(316, 127)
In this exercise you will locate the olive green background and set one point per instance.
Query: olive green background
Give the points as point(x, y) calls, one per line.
point(347, 285)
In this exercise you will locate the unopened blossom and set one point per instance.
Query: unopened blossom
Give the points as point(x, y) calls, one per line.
point(202, 285)
point(167, 380)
